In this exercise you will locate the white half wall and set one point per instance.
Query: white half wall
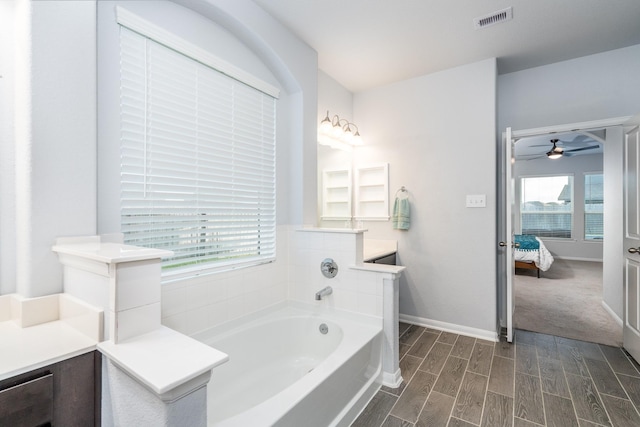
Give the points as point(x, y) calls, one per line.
point(438, 134)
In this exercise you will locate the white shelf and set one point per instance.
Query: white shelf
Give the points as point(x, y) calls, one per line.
point(336, 194)
point(372, 192)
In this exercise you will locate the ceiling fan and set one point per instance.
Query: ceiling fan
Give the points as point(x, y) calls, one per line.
point(556, 152)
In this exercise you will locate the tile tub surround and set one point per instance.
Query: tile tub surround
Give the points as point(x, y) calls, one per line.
point(193, 305)
point(540, 380)
point(369, 289)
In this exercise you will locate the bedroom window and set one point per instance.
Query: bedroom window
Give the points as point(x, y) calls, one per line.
point(546, 208)
point(197, 161)
point(593, 206)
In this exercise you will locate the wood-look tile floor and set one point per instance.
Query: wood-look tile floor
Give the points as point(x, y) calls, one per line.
point(539, 380)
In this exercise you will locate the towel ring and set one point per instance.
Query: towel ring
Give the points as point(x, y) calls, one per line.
point(402, 190)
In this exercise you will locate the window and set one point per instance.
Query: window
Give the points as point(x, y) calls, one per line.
point(593, 206)
point(545, 206)
point(197, 160)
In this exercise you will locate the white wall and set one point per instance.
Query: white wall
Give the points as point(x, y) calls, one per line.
point(576, 247)
point(593, 87)
point(53, 143)
point(438, 134)
point(9, 41)
point(589, 88)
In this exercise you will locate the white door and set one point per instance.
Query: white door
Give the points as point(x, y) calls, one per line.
point(631, 230)
point(508, 229)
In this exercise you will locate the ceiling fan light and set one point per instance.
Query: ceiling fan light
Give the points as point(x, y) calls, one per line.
point(553, 154)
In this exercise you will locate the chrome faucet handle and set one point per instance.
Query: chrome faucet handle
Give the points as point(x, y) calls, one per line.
point(329, 268)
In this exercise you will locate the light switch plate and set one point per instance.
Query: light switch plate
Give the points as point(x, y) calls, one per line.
point(476, 201)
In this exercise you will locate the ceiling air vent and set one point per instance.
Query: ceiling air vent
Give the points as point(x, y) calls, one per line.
point(493, 18)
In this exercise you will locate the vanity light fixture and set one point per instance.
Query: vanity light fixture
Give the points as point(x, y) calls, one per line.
point(338, 133)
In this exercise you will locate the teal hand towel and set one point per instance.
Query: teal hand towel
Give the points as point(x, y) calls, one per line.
point(401, 214)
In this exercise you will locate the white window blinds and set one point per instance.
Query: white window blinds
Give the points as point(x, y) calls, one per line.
point(197, 160)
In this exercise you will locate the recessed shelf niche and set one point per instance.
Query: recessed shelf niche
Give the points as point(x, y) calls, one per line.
point(336, 194)
point(370, 193)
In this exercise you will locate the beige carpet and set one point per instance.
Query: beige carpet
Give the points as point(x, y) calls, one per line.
point(565, 301)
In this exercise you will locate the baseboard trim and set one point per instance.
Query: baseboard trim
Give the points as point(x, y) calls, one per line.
point(570, 258)
point(612, 313)
point(450, 327)
point(392, 380)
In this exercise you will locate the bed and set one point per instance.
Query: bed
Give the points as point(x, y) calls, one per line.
point(531, 254)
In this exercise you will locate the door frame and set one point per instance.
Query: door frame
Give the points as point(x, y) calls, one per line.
point(503, 269)
point(630, 335)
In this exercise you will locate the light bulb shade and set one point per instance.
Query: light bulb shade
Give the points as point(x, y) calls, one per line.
point(357, 139)
point(337, 132)
point(325, 126)
point(347, 135)
point(553, 154)
point(556, 152)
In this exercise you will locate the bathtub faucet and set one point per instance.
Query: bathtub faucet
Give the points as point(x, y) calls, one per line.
point(323, 293)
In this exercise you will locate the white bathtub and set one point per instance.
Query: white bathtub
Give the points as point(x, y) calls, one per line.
point(283, 371)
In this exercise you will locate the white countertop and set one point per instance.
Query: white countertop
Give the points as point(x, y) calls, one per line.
point(110, 253)
point(25, 349)
point(163, 359)
point(374, 248)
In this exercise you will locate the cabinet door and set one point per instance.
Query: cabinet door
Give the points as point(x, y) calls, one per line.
point(27, 404)
point(74, 392)
point(65, 394)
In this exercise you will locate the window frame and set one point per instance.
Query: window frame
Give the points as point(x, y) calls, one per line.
point(584, 231)
point(571, 212)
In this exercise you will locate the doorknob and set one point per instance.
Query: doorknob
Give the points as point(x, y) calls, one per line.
point(634, 250)
point(503, 244)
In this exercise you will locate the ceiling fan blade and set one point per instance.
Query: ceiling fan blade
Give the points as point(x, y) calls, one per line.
point(590, 147)
point(578, 139)
point(570, 153)
point(520, 156)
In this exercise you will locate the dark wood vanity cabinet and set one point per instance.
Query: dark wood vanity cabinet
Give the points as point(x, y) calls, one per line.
point(65, 394)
